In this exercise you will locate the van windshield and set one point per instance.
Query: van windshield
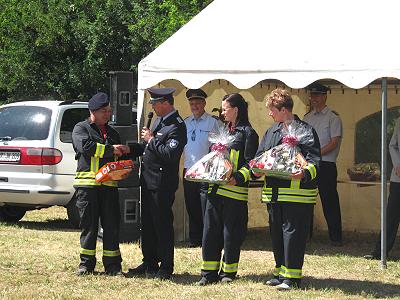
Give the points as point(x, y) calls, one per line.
point(24, 123)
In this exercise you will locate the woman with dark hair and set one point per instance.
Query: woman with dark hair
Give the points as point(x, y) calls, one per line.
point(225, 219)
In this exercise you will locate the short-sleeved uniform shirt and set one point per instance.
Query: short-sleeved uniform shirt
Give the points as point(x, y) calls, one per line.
point(328, 125)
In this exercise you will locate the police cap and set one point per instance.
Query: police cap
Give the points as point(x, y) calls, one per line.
point(164, 94)
point(98, 101)
point(317, 88)
point(196, 94)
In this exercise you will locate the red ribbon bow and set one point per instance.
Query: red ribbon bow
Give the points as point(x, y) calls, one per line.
point(218, 147)
point(290, 140)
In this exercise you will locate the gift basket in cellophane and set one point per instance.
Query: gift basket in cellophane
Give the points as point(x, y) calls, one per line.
point(116, 170)
point(214, 167)
point(285, 159)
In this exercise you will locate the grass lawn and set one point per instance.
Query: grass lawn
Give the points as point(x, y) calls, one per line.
point(39, 256)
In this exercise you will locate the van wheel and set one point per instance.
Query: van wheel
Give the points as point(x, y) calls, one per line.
point(73, 213)
point(11, 214)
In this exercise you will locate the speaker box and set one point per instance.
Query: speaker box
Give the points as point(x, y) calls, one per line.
point(122, 95)
point(128, 135)
point(130, 214)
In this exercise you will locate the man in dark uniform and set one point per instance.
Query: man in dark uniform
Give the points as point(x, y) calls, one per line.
point(328, 126)
point(95, 144)
point(161, 150)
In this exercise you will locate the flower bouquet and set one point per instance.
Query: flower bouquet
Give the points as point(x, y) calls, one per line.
point(285, 159)
point(214, 167)
point(116, 170)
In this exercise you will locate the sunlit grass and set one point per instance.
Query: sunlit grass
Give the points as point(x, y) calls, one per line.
point(39, 256)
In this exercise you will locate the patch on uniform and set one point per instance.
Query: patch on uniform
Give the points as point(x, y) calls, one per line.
point(335, 112)
point(179, 119)
point(173, 144)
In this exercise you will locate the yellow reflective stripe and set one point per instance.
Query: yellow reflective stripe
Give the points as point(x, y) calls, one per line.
point(295, 184)
point(111, 253)
point(246, 173)
point(289, 191)
point(232, 195)
point(291, 195)
point(94, 164)
point(313, 171)
point(230, 268)
point(276, 271)
point(87, 252)
point(100, 149)
point(85, 175)
point(234, 158)
point(290, 273)
point(236, 189)
point(210, 265)
point(234, 192)
point(78, 181)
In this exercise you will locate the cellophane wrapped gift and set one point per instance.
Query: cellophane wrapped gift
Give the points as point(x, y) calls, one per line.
point(285, 159)
point(214, 167)
point(116, 170)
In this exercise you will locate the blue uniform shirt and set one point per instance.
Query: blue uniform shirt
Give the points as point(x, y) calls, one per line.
point(328, 125)
point(197, 137)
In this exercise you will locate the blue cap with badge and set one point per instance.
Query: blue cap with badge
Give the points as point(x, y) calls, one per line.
point(163, 94)
point(98, 101)
point(317, 88)
point(196, 94)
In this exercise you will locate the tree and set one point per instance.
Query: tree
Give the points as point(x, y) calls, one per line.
point(64, 49)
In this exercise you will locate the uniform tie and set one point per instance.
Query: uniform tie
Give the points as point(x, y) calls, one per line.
point(159, 126)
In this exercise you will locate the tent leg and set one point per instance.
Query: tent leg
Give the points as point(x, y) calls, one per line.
point(383, 175)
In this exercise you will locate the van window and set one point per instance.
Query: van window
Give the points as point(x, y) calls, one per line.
point(69, 119)
point(24, 123)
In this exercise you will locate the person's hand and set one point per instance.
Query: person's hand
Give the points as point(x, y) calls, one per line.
point(124, 149)
point(146, 134)
point(298, 175)
point(258, 175)
point(397, 170)
point(232, 181)
point(117, 150)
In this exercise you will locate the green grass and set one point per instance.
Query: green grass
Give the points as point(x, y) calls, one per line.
point(39, 256)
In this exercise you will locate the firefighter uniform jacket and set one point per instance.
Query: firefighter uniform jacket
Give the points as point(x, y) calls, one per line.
point(301, 191)
point(92, 152)
point(161, 155)
point(241, 151)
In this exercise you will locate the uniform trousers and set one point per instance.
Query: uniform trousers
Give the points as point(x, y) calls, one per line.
point(225, 227)
point(195, 201)
point(289, 225)
point(327, 187)
point(392, 219)
point(157, 228)
point(94, 204)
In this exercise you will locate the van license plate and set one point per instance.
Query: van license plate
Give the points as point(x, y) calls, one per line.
point(7, 156)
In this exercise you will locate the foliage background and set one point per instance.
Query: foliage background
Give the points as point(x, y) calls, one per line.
point(64, 49)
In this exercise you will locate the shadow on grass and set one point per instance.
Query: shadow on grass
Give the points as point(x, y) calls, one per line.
point(355, 287)
point(57, 224)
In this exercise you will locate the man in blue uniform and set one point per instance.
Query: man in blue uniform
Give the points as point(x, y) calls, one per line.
point(198, 125)
point(328, 126)
point(161, 149)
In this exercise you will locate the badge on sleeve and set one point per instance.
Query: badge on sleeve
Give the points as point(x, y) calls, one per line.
point(173, 144)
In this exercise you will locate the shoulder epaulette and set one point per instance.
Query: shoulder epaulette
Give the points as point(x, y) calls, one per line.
point(334, 112)
point(179, 119)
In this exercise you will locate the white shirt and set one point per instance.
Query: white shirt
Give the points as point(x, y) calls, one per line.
point(328, 125)
point(395, 151)
point(197, 137)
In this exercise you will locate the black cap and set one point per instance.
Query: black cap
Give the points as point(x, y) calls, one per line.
point(164, 94)
point(98, 101)
point(317, 88)
point(196, 94)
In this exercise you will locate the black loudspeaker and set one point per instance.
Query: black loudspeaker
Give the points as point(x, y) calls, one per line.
point(129, 135)
point(130, 214)
point(122, 96)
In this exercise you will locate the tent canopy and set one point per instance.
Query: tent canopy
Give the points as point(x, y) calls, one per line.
point(296, 42)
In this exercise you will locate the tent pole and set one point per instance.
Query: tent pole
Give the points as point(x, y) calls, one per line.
point(383, 174)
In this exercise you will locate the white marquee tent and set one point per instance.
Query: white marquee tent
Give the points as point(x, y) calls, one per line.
point(296, 42)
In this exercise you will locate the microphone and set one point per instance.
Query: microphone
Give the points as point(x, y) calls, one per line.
point(149, 117)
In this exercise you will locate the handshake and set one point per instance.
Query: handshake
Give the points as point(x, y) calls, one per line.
point(120, 150)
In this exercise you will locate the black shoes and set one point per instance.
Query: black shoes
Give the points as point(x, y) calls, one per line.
point(82, 270)
point(204, 281)
point(336, 243)
point(163, 275)
point(372, 256)
point(143, 269)
point(288, 284)
point(194, 244)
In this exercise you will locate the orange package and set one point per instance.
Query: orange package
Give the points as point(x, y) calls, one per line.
point(116, 170)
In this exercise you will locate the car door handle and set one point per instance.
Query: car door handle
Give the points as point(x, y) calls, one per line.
point(4, 179)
